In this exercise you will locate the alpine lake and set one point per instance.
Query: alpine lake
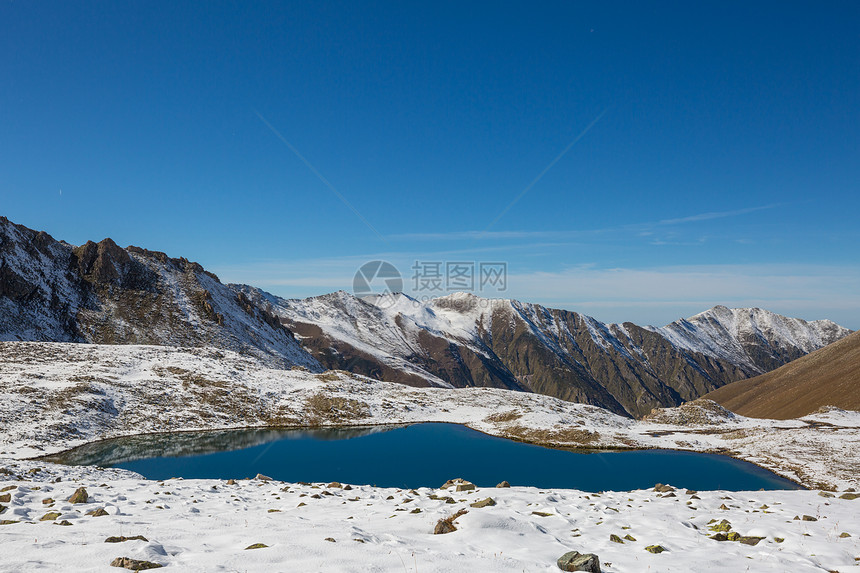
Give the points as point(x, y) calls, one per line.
point(413, 456)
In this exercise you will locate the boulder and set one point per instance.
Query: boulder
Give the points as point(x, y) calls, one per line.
point(576, 561)
point(655, 549)
point(261, 477)
point(503, 484)
point(134, 564)
point(446, 525)
point(80, 496)
point(459, 484)
point(484, 503)
point(663, 488)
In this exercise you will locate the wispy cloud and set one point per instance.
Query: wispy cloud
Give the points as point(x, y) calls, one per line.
point(715, 215)
point(640, 229)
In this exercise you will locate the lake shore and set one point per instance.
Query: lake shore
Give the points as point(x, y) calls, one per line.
point(206, 525)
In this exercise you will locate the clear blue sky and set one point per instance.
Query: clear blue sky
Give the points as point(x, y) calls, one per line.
point(723, 165)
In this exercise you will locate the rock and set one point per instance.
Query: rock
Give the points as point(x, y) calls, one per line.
point(825, 494)
point(844, 534)
point(733, 536)
point(231, 482)
point(256, 546)
point(541, 514)
point(347, 487)
point(50, 516)
point(724, 506)
point(335, 485)
point(122, 539)
point(46, 501)
point(484, 503)
point(98, 512)
point(446, 525)
point(663, 488)
point(723, 526)
point(576, 561)
point(655, 549)
point(849, 495)
point(459, 484)
point(80, 496)
point(615, 539)
point(503, 484)
point(691, 492)
point(64, 522)
point(720, 537)
point(7, 521)
point(6, 497)
point(809, 518)
point(749, 540)
point(332, 539)
point(629, 537)
point(2, 508)
point(779, 539)
point(416, 510)
point(134, 564)
point(261, 477)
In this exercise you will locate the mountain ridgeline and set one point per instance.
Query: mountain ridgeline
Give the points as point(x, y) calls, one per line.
point(462, 340)
point(101, 293)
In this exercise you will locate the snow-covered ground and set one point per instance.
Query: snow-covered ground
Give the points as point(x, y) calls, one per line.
point(206, 525)
point(54, 396)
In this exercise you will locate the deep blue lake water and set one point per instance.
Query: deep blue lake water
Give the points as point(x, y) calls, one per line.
point(414, 456)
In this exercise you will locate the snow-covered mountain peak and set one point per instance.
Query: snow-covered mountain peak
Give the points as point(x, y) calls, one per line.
point(753, 337)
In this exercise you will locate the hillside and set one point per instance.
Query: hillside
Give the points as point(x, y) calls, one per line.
point(101, 293)
point(827, 377)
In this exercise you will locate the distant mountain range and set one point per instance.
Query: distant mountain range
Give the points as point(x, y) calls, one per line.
point(102, 293)
point(461, 340)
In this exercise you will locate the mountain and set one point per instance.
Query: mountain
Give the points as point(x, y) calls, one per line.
point(756, 340)
point(462, 340)
point(827, 377)
point(101, 293)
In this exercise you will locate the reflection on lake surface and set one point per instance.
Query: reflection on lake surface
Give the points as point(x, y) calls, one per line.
point(413, 456)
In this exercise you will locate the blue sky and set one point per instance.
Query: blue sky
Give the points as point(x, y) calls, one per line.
point(633, 161)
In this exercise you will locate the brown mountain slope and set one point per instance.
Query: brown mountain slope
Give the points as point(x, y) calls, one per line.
point(827, 377)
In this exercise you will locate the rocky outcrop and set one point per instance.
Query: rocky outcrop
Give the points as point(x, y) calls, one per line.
point(576, 561)
point(102, 293)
